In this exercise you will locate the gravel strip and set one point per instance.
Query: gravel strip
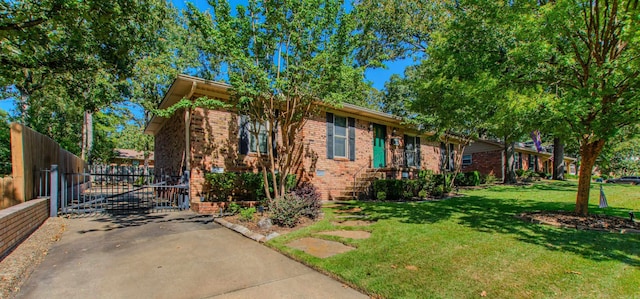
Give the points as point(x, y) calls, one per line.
point(16, 268)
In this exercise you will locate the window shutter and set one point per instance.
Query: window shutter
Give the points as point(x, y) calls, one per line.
point(244, 135)
point(329, 135)
point(418, 152)
point(352, 139)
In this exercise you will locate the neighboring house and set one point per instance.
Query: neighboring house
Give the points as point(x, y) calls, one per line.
point(342, 144)
point(488, 157)
point(129, 157)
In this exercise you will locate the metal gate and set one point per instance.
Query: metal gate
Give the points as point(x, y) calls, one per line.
point(115, 190)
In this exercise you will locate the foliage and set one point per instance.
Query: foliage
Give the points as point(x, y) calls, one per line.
point(621, 157)
point(311, 197)
point(282, 59)
point(222, 185)
point(471, 178)
point(400, 190)
point(239, 185)
point(286, 210)
point(246, 214)
point(234, 208)
point(5, 144)
point(490, 179)
point(591, 61)
point(64, 61)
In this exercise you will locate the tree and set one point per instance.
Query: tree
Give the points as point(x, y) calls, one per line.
point(5, 144)
point(283, 58)
point(84, 50)
point(590, 52)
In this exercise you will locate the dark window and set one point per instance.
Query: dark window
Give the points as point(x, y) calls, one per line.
point(467, 160)
point(412, 151)
point(253, 136)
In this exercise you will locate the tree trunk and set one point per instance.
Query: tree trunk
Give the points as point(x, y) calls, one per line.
point(509, 163)
point(87, 136)
point(588, 153)
point(558, 159)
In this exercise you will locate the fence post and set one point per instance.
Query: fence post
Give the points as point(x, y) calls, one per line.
point(53, 196)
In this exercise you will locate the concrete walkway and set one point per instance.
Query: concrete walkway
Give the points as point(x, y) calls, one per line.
point(170, 255)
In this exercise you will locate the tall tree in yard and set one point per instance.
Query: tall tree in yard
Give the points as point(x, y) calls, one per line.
point(590, 52)
point(283, 58)
point(81, 49)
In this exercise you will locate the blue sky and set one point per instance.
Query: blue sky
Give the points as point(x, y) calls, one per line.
point(377, 76)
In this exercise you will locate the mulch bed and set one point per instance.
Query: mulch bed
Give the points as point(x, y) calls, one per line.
point(253, 225)
point(591, 222)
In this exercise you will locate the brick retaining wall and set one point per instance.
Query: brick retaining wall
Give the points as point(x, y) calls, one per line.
point(19, 221)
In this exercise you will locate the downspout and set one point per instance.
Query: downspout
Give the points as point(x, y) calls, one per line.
point(187, 142)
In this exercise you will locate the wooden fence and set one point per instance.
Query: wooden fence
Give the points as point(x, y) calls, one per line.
point(32, 152)
point(7, 193)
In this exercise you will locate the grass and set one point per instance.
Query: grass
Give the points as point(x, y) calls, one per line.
point(464, 246)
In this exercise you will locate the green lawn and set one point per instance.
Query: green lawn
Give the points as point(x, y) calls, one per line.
point(463, 246)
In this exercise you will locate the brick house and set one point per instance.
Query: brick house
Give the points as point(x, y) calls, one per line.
point(343, 145)
point(488, 157)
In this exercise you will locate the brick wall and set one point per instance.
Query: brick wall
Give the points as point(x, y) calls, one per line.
point(486, 163)
point(169, 145)
point(214, 144)
point(19, 221)
point(332, 175)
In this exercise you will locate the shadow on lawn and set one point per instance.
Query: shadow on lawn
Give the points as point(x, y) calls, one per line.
point(492, 215)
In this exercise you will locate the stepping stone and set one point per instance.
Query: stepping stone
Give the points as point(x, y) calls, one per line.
point(352, 210)
point(353, 223)
point(351, 216)
point(352, 234)
point(319, 248)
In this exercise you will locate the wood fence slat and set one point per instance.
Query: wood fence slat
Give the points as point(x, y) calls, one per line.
point(32, 152)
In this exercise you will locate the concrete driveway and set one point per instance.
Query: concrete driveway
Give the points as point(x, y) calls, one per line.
point(170, 255)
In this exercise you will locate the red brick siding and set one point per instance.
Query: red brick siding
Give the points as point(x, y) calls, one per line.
point(338, 172)
point(169, 145)
point(19, 221)
point(486, 163)
point(214, 143)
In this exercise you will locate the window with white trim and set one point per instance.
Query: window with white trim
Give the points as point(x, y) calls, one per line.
point(340, 136)
point(412, 151)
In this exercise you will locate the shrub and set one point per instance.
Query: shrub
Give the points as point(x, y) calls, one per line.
point(423, 193)
point(570, 176)
point(379, 186)
point(221, 184)
point(438, 191)
point(426, 180)
point(234, 208)
point(286, 210)
point(490, 179)
point(246, 214)
point(311, 198)
point(242, 186)
point(381, 195)
point(407, 195)
point(411, 188)
point(519, 172)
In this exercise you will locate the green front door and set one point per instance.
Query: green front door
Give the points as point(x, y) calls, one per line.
point(379, 132)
